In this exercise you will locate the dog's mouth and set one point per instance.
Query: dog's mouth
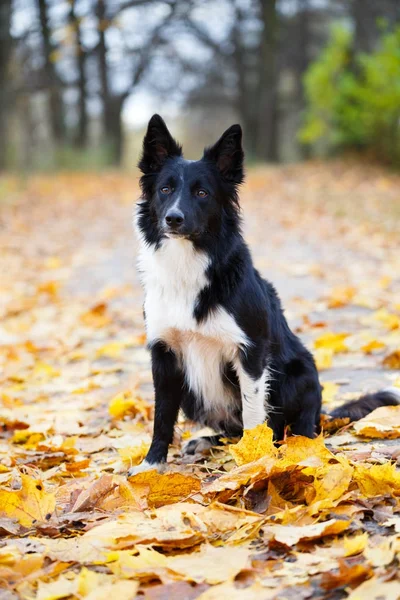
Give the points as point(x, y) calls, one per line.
point(182, 235)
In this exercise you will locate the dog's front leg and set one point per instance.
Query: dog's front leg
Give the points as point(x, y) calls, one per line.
point(254, 381)
point(168, 387)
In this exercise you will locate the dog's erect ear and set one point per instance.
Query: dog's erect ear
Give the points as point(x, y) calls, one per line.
point(228, 154)
point(158, 145)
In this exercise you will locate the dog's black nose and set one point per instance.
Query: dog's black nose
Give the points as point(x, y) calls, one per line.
point(174, 218)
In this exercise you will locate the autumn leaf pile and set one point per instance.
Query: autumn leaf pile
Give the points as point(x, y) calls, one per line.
point(308, 518)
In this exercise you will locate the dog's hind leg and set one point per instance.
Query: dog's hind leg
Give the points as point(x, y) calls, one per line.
point(307, 421)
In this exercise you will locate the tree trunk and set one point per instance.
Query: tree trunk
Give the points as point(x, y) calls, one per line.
point(5, 93)
point(52, 79)
point(302, 62)
point(116, 131)
point(244, 97)
point(104, 83)
point(82, 130)
point(365, 31)
point(267, 125)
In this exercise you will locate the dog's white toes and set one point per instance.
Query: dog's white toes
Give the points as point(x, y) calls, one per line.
point(197, 445)
point(145, 466)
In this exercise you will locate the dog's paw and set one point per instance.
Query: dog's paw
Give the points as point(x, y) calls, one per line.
point(145, 466)
point(198, 445)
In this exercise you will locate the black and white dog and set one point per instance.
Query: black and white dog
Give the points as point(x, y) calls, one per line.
point(221, 348)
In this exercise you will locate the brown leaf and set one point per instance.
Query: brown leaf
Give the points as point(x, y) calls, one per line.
point(349, 575)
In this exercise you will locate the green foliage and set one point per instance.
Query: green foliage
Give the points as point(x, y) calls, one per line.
point(75, 159)
point(354, 100)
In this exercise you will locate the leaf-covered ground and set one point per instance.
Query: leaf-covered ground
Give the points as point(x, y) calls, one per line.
point(310, 519)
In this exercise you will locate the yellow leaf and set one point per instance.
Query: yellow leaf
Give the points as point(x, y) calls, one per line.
point(331, 481)
point(384, 422)
point(329, 391)
point(147, 562)
point(323, 358)
point(371, 346)
point(165, 488)
point(44, 372)
point(53, 262)
point(31, 503)
point(377, 480)
point(255, 443)
point(87, 584)
point(126, 403)
point(297, 450)
point(341, 296)
point(111, 350)
point(96, 317)
point(132, 456)
point(356, 544)
point(392, 361)
point(389, 320)
point(51, 288)
point(333, 341)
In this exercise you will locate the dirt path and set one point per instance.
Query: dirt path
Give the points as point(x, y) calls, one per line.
point(76, 403)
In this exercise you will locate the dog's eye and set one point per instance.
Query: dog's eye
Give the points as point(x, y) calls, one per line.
point(165, 189)
point(201, 193)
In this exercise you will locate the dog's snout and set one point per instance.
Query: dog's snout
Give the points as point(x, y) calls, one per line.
point(174, 218)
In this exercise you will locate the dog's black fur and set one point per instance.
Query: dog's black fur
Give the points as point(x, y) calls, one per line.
point(212, 223)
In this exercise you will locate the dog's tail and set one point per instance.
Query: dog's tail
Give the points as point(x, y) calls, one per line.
point(357, 409)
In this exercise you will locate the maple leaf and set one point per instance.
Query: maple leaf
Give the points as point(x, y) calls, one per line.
point(254, 444)
point(376, 480)
point(29, 504)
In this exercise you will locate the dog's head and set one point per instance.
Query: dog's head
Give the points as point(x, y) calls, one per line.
point(189, 198)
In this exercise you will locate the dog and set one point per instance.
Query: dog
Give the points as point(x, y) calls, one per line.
point(221, 348)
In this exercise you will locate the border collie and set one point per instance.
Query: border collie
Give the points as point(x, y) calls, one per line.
point(221, 348)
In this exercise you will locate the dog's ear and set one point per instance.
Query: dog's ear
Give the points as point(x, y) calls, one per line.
point(158, 145)
point(228, 154)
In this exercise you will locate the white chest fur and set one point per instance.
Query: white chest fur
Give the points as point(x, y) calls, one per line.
point(172, 277)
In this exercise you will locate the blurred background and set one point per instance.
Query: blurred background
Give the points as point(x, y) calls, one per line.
point(80, 78)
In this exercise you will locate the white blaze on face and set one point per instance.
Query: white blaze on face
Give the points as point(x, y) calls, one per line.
point(176, 204)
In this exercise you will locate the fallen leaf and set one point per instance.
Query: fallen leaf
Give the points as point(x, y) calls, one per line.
point(376, 589)
point(290, 535)
point(329, 391)
point(323, 358)
point(384, 422)
point(125, 403)
point(376, 480)
point(211, 565)
point(356, 544)
point(348, 575)
point(373, 345)
point(332, 341)
point(29, 504)
point(392, 360)
point(254, 444)
point(165, 488)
